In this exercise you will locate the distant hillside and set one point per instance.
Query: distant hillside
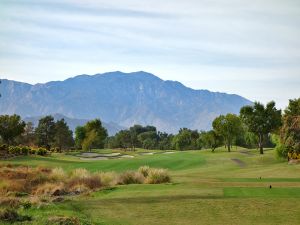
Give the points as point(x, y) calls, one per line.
point(112, 128)
point(124, 99)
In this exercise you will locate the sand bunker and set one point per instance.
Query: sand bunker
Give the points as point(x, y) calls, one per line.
point(147, 153)
point(97, 156)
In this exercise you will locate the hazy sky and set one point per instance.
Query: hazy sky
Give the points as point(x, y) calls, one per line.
point(250, 48)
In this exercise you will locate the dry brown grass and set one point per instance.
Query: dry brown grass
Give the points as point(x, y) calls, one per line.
point(131, 177)
point(20, 181)
point(157, 176)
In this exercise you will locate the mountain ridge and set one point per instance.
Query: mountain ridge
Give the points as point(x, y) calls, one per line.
point(122, 98)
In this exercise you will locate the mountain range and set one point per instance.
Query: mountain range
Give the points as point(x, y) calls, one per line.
point(122, 99)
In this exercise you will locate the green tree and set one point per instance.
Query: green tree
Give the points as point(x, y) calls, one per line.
point(183, 139)
point(45, 132)
point(95, 134)
point(293, 108)
point(210, 140)
point(79, 136)
point(89, 140)
point(123, 138)
point(148, 139)
point(28, 136)
point(165, 140)
point(229, 127)
point(63, 138)
point(290, 131)
point(261, 120)
point(10, 128)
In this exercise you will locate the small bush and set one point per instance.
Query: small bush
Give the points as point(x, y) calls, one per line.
point(24, 150)
point(130, 177)
point(41, 151)
point(281, 151)
point(14, 150)
point(157, 176)
point(32, 151)
point(144, 170)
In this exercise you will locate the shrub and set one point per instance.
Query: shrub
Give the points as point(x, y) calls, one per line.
point(14, 150)
point(41, 151)
point(24, 150)
point(130, 177)
point(144, 170)
point(157, 176)
point(32, 151)
point(281, 151)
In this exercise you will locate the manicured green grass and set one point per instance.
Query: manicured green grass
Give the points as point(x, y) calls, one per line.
point(207, 188)
point(176, 161)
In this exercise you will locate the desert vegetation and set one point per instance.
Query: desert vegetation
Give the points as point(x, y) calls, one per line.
point(23, 187)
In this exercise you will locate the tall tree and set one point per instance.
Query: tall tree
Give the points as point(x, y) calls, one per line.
point(28, 136)
point(261, 120)
point(229, 127)
point(11, 127)
point(95, 134)
point(79, 136)
point(210, 139)
point(45, 132)
point(63, 138)
point(293, 108)
point(290, 131)
point(183, 140)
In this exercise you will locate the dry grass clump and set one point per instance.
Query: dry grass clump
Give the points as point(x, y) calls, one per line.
point(10, 202)
point(157, 176)
point(52, 189)
point(80, 173)
point(92, 182)
point(63, 220)
point(130, 177)
point(107, 178)
point(144, 170)
point(29, 183)
point(58, 174)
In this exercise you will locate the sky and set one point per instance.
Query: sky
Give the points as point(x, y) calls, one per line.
point(250, 48)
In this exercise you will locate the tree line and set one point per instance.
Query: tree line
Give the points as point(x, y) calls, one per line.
point(257, 126)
